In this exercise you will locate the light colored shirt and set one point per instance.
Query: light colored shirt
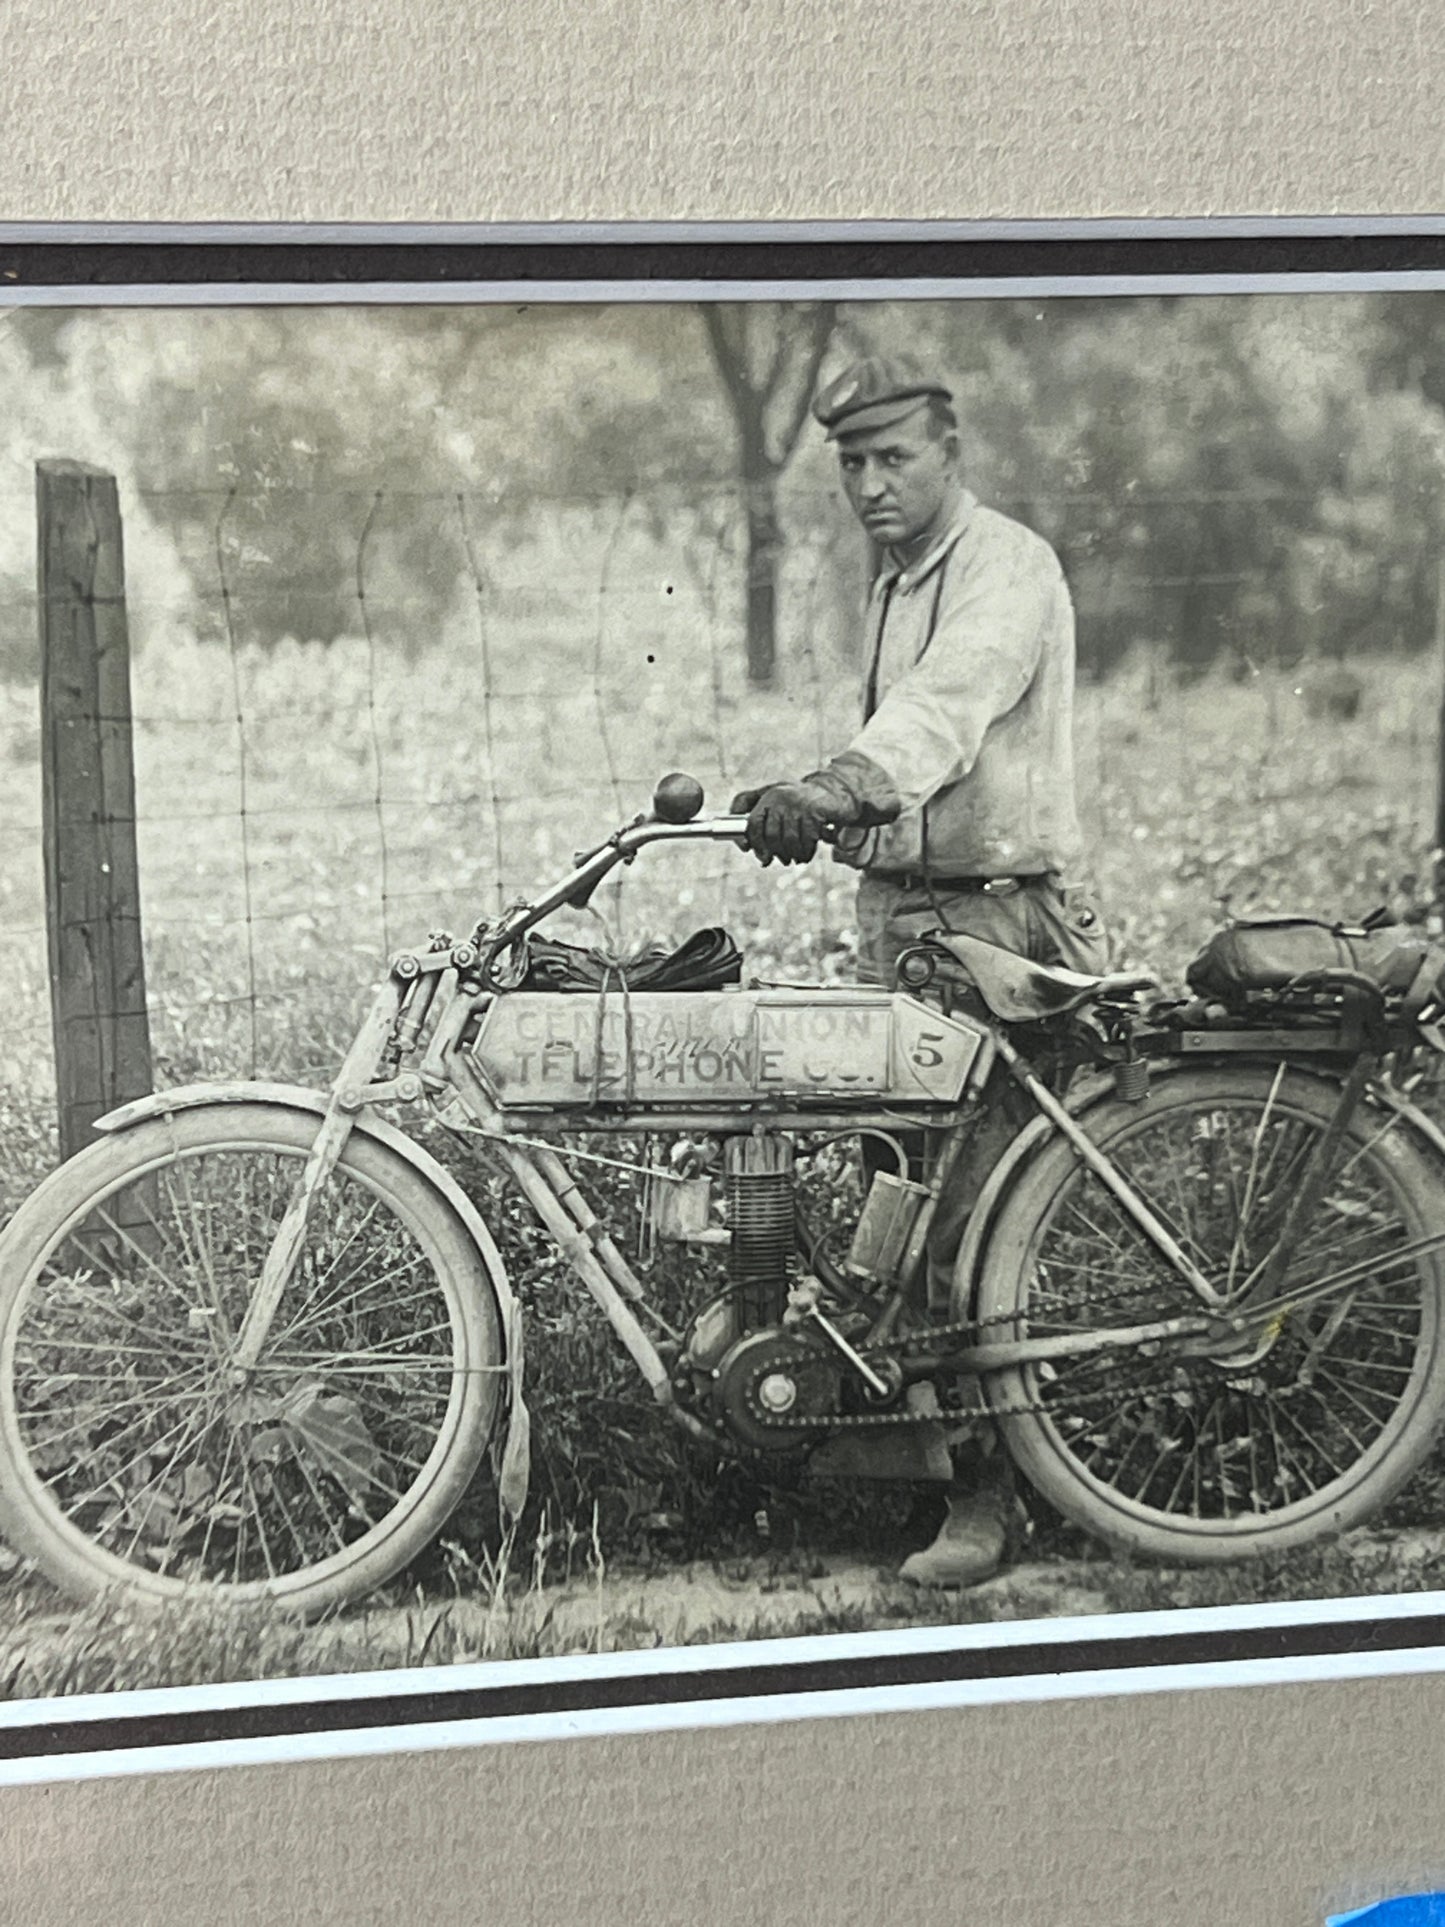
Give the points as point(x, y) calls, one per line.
point(969, 706)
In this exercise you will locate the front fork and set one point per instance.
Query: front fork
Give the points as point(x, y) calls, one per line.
point(354, 1086)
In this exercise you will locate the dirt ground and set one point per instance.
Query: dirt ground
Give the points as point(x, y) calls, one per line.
point(48, 1647)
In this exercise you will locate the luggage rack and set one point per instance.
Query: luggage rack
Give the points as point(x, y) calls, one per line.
point(1320, 1013)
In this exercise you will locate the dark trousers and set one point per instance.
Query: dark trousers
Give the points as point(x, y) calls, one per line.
point(1044, 920)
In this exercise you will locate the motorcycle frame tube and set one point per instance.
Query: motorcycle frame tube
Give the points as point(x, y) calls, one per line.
point(585, 1258)
point(730, 1118)
point(1095, 1089)
point(580, 1236)
point(601, 1267)
point(1122, 1192)
point(1081, 1098)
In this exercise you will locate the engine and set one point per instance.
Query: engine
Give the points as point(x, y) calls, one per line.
point(755, 1359)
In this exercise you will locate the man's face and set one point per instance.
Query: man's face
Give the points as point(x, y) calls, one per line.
point(899, 479)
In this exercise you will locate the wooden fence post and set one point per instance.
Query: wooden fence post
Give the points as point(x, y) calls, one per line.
point(92, 891)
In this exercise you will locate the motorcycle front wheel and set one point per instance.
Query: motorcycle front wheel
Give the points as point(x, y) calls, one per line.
point(134, 1455)
point(1237, 1452)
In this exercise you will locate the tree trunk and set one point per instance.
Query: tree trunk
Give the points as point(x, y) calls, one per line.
point(764, 566)
point(769, 378)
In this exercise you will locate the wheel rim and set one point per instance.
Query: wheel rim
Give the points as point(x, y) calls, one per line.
point(1229, 1444)
point(144, 1446)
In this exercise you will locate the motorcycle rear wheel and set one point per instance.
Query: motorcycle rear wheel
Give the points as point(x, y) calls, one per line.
point(1224, 1457)
point(133, 1456)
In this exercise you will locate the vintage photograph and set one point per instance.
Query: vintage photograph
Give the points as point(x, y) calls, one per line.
point(692, 971)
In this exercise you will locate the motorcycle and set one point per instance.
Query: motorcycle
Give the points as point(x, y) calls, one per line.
point(256, 1338)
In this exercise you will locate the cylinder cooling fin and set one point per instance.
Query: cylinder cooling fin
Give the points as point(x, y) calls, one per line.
point(758, 1174)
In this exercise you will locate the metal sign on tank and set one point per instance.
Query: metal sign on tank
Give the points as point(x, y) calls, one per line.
point(536, 1047)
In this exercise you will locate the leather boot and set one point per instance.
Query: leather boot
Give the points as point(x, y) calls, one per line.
point(969, 1547)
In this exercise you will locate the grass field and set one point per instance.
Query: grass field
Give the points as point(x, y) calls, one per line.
point(304, 809)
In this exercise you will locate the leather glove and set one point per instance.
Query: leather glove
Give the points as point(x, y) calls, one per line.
point(745, 801)
point(787, 821)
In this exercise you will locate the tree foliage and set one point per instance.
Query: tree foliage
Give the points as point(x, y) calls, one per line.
point(1239, 479)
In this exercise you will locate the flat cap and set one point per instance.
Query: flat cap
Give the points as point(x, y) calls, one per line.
point(875, 392)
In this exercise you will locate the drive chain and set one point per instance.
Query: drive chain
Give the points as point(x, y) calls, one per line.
point(963, 1328)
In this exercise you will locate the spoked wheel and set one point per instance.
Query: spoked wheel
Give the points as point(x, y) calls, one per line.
point(134, 1453)
point(1223, 1450)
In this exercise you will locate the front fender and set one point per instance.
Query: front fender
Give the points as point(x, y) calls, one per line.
point(514, 1465)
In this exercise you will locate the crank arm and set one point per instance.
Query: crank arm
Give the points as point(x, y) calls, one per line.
point(876, 1383)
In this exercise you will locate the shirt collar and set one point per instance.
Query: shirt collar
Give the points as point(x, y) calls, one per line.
point(893, 574)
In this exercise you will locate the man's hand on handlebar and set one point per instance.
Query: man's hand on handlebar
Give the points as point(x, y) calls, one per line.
point(787, 821)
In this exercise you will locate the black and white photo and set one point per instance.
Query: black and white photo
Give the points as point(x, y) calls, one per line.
point(716, 969)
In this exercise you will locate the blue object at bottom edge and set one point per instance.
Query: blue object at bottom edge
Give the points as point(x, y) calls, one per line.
point(1407, 1910)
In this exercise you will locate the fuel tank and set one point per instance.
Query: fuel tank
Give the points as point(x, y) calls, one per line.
point(547, 1048)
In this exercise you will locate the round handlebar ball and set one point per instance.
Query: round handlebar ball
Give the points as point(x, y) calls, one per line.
point(677, 798)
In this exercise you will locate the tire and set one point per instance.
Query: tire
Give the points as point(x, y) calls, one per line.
point(129, 1456)
point(1208, 1459)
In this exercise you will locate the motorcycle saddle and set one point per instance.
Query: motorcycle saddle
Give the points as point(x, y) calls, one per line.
point(1019, 991)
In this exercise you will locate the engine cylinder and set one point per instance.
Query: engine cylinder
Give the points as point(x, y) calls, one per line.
point(759, 1189)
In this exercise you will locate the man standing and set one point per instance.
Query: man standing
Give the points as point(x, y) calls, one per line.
point(955, 799)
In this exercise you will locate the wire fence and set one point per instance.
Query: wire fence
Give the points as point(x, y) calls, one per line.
point(361, 714)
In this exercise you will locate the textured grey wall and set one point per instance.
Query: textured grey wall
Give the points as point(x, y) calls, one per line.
point(1238, 1809)
point(516, 109)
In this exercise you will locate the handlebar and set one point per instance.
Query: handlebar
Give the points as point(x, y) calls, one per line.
point(624, 845)
point(577, 887)
point(673, 818)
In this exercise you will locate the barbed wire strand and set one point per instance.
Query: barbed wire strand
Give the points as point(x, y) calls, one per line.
point(378, 761)
point(707, 581)
point(241, 767)
point(488, 730)
point(707, 523)
point(609, 554)
point(822, 747)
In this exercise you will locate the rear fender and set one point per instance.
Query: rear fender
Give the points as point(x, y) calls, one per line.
point(1086, 1093)
point(1426, 1131)
point(513, 1464)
